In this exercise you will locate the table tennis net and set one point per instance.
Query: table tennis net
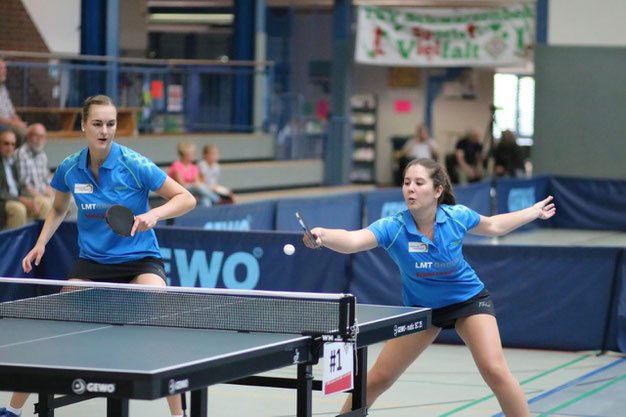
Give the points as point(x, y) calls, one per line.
point(223, 311)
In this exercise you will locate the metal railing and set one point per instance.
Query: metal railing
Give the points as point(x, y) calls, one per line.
point(176, 95)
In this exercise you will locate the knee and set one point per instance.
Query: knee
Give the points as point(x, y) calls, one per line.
point(496, 373)
point(16, 214)
point(380, 379)
point(44, 206)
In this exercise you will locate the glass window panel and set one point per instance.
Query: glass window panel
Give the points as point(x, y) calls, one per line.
point(505, 100)
point(526, 103)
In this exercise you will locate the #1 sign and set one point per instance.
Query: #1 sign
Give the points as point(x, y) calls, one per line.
point(338, 367)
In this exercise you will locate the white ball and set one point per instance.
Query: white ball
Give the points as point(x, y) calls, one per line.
point(289, 249)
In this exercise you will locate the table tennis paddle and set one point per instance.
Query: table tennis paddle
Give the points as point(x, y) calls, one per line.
point(120, 219)
point(307, 231)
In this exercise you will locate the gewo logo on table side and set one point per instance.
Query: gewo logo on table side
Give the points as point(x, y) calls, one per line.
point(80, 386)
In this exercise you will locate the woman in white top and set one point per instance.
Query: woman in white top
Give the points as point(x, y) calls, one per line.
point(421, 145)
point(417, 147)
point(209, 168)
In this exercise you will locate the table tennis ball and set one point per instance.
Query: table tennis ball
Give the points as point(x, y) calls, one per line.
point(289, 249)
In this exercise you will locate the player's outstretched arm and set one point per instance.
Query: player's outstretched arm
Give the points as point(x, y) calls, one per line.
point(502, 224)
point(53, 220)
point(343, 241)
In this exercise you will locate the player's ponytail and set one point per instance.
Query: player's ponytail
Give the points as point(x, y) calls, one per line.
point(440, 178)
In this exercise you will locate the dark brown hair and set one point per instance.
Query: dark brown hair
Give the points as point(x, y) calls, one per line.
point(439, 177)
point(99, 100)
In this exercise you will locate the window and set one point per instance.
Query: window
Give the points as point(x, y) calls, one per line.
point(514, 98)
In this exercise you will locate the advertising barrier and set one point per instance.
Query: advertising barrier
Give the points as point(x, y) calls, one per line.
point(239, 217)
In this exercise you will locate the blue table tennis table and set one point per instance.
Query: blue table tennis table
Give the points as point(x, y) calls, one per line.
point(122, 362)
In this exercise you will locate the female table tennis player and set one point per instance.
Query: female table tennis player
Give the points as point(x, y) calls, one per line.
point(425, 242)
point(103, 174)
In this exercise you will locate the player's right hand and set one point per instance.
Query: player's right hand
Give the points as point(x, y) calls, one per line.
point(35, 255)
point(307, 242)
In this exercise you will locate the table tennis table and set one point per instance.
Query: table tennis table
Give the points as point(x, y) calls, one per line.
point(82, 360)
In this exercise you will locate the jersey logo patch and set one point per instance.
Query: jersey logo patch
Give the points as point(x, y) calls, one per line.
point(418, 247)
point(83, 188)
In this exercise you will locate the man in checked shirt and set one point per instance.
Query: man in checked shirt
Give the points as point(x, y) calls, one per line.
point(32, 164)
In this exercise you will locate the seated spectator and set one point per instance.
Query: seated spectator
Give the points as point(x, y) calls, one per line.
point(210, 172)
point(9, 120)
point(32, 163)
point(186, 173)
point(16, 203)
point(466, 164)
point(509, 156)
point(419, 146)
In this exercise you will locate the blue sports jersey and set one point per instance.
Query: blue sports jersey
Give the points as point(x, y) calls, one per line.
point(126, 178)
point(434, 274)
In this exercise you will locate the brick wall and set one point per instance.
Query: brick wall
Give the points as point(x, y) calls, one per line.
point(17, 30)
point(19, 33)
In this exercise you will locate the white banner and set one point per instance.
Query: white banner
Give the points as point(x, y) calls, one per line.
point(438, 37)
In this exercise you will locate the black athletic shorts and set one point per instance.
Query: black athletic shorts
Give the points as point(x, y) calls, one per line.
point(121, 273)
point(445, 317)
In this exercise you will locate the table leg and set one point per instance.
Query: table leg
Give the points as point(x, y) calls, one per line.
point(199, 403)
point(304, 406)
point(43, 407)
point(117, 407)
point(360, 382)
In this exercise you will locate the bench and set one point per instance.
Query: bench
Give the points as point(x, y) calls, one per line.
point(126, 119)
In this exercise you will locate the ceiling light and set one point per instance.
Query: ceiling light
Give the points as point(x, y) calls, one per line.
point(215, 18)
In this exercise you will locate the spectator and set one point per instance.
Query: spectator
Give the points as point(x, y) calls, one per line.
point(17, 204)
point(419, 146)
point(186, 173)
point(9, 120)
point(32, 163)
point(509, 156)
point(465, 165)
point(210, 172)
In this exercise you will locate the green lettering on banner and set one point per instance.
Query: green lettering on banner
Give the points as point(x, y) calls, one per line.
point(393, 19)
point(520, 38)
point(459, 51)
point(378, 13)
point(405, 52)
point(412, 17)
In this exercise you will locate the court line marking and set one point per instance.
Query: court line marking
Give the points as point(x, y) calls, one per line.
point(521, 383)
point(583, 396)
point(577, 380)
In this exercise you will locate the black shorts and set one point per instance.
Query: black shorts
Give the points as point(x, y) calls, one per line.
point(121, 273)
point(445, 317)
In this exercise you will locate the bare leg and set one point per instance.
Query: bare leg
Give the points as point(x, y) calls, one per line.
point(480, 334)
point(393, 360)
point(148, 279)
point(18, 399)
point(174, 401)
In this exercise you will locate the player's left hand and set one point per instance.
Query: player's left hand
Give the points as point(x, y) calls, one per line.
point(144, 222)
point(545, 209)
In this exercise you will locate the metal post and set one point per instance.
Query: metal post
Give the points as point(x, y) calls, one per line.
point(112, 46)
point(338, 153)
point(259, 112)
